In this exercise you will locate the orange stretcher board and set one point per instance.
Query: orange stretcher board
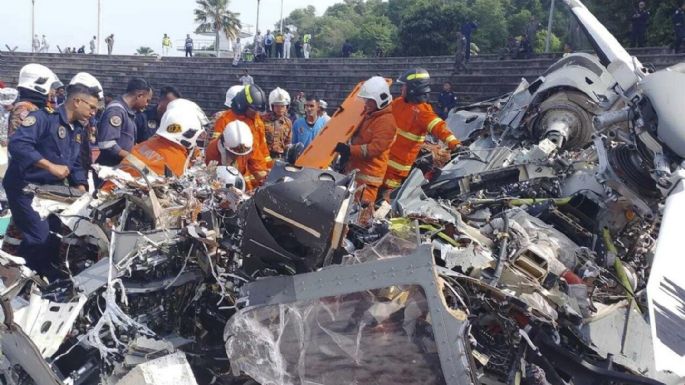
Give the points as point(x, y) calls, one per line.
point(344, 122)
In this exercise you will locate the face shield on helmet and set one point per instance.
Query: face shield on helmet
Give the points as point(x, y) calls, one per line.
point(252, 96)
point(230, 177)
point(182, 123)
point(38, 78)
point(88, 80)
point(231, 93)
point(376, 88)
point(279, 96)
point(237, 138)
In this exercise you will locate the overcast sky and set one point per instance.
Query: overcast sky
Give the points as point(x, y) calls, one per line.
point(134, 23)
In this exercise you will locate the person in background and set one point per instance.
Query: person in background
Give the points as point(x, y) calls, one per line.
point(92, 45)
point(268, 43)
point(640, 22)
point(237, 52)
point(307, 40)
point(279, 44)
point(246, 78)
point(306, 128)
point(298, 105)
point(189, 46)
point(148, 120)
point(287, 42)
point(166, 45)
point(346, 49)
point(446, 101)
point(109, 40)
point(323, 114)
point(278, 127)
point(467, 30)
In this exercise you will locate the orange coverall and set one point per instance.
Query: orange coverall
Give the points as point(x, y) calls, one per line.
point(414, 121)
point(154, 154)
point(369, 150)
point(260, 161)
point(213, 152)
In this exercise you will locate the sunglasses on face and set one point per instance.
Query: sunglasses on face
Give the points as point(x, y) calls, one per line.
point(93, 107)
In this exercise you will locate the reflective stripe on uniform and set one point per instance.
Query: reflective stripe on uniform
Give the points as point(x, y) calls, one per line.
point(247, 94)
point(139, 164)
point(398, 166)
point(106, 145)
point(249, 178)
point(369, 178)
point(410, 136)
point(365, 151)
point(418, 76)
point(450, 138)
point(433, 123)
point(392, 183)
point(268, 159)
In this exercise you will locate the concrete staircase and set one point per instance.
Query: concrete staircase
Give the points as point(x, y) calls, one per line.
point(205, 80)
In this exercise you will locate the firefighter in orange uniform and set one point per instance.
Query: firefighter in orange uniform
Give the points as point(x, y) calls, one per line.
point(370, 145)
point(170, 149)
point(415, 119)
point(233, 149)
point(246, 107)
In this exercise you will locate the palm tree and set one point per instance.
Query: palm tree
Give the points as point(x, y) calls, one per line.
point(214, 16)
point(145, 51)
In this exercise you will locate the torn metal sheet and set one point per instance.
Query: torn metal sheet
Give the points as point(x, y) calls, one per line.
point(311, 327)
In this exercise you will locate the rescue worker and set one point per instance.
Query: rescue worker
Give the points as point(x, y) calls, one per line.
point(233, 149)
point(230, 94)
point(45, 150)
point(246, 106)
point(147, 121)
point(117, 131)
point(370, 145)
point(34, 86)
point(415, 119)
point(169, 151)
point(278, 126)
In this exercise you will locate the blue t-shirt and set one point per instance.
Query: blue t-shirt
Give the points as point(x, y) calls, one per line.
point(305, 133)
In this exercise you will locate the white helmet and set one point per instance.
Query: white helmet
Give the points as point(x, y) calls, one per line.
point(229, 176)
point(231, 93)
point(8, 96)
point(376, 88)
point(39, 78)
point(323, 104)
point(279, 96)
point(88, 80)
point(237, 138)
point(182, 123)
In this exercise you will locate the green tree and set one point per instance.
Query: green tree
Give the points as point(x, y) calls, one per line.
point(214, 16)
point(492, 24)
point(145, 51)
point(429, 28)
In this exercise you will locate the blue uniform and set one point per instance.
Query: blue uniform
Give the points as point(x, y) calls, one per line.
point(147, 123)
point(42, 135)
point(304, 133)
point(116, 131)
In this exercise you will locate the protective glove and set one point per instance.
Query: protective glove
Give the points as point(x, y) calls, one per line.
point(343, 150)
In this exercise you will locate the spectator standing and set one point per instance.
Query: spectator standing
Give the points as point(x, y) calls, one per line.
point(246, 79)
point(446, 101)
point(44, 46)
point(346, 49)
point(237, 52)
point(323, 114)
point(279, 45)
point(109, 40)
point(640, 21)
point(532, 29)
point(526, 47)
point(166, 45)
point(467, 30)
point(306, 128)
point(287, 42)
point(92, 45)
point(307, 39)
point(189, 46)
point(35, 44)
point(268, 43)
point(298, 48)
point(298, 105)
point(82, 49)
point(460, 55)
point(679, 26)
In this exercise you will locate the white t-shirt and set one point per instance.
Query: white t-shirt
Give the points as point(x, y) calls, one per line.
point(288, 36)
